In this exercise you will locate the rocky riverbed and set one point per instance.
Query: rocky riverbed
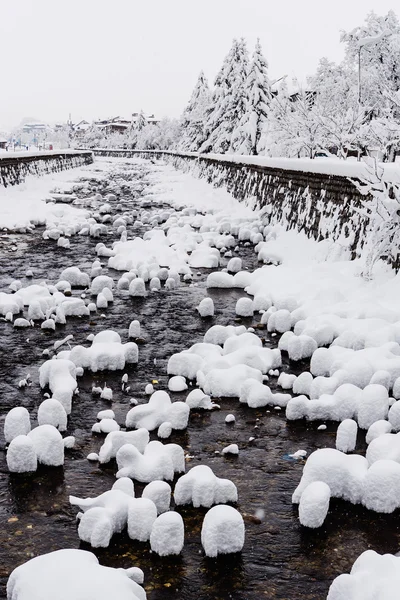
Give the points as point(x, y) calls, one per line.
point(280, 558)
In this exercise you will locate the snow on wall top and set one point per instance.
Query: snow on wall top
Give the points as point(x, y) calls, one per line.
point(324, 166)
point(40, 153)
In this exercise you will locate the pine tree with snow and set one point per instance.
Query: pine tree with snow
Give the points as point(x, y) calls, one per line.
point(229, 100)
point(276, 134)
point(134, 129)
point(141, 121)
point(193, 118)
point(246, 136)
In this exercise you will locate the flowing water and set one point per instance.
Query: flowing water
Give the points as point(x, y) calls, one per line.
point(280, 558)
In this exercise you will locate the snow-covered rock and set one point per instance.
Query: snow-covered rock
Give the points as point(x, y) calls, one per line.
point(116, 439)
point(244, 307)
point(219, 383)
point(220, 280)
point(158, 410)
point(197, 399)
point(75, 277)
point(343, 473)
point(373, 405)
point(167, 534)
point(99, 283)
point(134, 329)
point(346, 436)
point(51, 576)
point(372, 577)
point(48, 444)
point(160, 493)
point(218, 334)
point(231, 449)
point(302, 383)
point(104, 515)
point(105, 426)
point(21, 455)
point(201, 487)
point(206, 307)
point(382, 486)
point(137, 288)
point(52, 412)
point(314, 504)
point(394, 416)
point(301, 347)
point(165, 430)
point(142, 513)
point(157, 462)
point(376, 429)
point(106, 353)
point(222, 531)
point(17, 422)
point(177, 384)
point(234, 265)
point(60, 376)
point(342, 404)
point(255, 394)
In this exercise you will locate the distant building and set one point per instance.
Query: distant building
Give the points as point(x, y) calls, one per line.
point(150, 118)
point(120, 125)
point(35, 128)
point(113, 125)
point(79, 129)
point(3, 143)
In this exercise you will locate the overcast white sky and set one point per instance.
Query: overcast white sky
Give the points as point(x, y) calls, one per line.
point(97, 58)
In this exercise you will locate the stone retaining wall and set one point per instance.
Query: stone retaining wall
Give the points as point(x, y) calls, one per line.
point(14, 168)
point(323, 206)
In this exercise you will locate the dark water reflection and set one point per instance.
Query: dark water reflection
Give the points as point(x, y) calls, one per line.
point(280, 559)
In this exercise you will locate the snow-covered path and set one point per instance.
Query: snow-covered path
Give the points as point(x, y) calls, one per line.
point(324, 298)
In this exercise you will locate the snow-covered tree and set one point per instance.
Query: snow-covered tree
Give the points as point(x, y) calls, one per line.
point(276, 134)
point(228, 103)
point(60, 138)
point(161, 136)
point(336, 108)
point(292, 128)
point(247, 134)
point(383, 135)
point(193, 118)
point(141, 121)
point(376, 45)
point(383, 212)
point(134, 129)
point(93, 138)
